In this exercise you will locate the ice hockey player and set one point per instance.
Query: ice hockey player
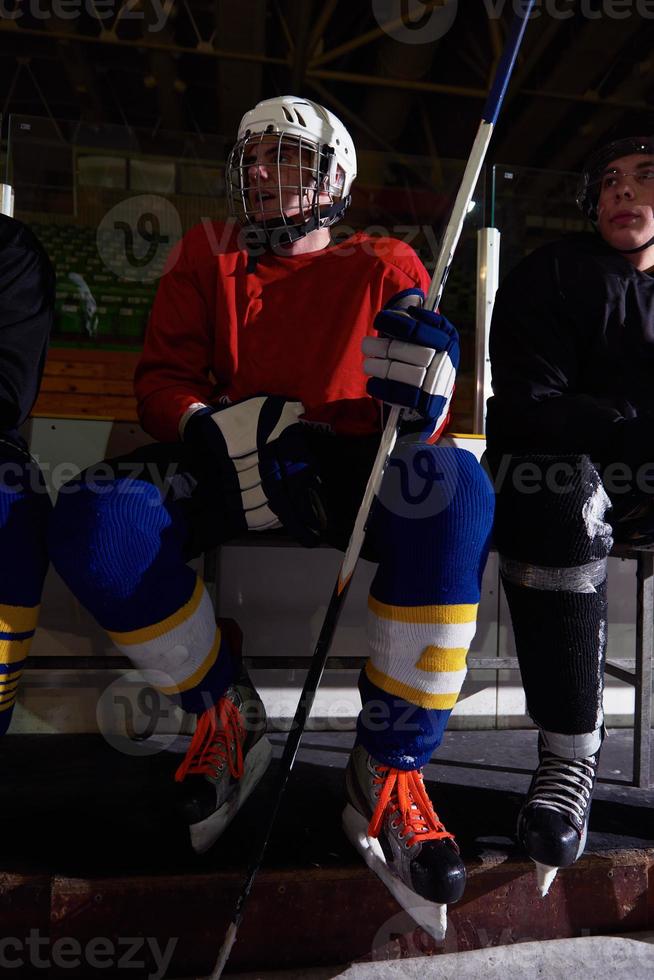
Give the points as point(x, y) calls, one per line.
point(26, 312)
point(570, 435)
point(252, 379)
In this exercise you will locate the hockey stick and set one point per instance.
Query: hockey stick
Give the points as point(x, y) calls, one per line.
point(450, 240)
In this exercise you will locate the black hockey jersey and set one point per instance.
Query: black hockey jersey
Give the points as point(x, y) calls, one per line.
point(572, 355)
point(26, 312)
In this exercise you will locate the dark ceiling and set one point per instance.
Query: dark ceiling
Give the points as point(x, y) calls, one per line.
point(197, 65)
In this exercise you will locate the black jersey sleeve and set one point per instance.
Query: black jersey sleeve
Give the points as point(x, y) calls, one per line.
point(540, 343)
point(26, 314)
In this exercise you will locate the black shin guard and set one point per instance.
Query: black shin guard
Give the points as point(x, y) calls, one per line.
point(560, 640)
point(553, 543)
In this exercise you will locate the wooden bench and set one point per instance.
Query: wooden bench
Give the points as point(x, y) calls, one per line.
point(88, 384)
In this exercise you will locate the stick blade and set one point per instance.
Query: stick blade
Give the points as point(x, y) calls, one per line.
point(225, 950)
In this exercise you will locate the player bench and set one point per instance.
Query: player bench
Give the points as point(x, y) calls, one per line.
point(636, 671)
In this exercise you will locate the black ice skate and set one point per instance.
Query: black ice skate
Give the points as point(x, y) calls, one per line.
point(391, 821)
point(227, 757)
point(553, 821)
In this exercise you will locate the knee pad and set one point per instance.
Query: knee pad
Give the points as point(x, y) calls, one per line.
point(431, 525)
point(110, 541)
point(550, 511)
point(24, 511)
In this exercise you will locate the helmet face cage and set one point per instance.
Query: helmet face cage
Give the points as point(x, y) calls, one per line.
point(298, 169)
point(590, 182)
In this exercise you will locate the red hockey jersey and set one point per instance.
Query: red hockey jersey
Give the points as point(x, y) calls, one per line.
point(292, 327)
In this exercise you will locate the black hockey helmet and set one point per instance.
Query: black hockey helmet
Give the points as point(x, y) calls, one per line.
point(621, 141)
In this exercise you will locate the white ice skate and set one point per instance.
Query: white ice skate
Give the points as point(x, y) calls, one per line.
point(553, 822)
point(227, 757)
point(391, 822)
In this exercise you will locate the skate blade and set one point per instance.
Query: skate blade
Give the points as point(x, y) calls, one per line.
point(545, 875)
point(430, 916)
point(206, 832)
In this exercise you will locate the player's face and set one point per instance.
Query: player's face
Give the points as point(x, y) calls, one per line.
point(625, 207)
point(279, 178)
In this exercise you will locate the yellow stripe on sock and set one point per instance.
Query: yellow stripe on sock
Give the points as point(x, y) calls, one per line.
point(14, 675)
point(11, 651)
point(201, 672)
point(442, 659)
point(18, 619)
point(7, 686)
point(411, 694)
point(4, 704)
point(440, 615)
point(132, 637)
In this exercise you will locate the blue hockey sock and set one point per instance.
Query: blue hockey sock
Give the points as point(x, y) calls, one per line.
point(24, 510)
point(431, 527)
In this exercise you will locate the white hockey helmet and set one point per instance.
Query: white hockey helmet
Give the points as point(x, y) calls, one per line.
point(323, 166)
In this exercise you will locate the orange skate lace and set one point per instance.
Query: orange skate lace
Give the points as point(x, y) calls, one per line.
point(218, 739)
point(404, 793)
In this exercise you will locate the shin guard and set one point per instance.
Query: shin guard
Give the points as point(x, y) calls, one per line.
point(24, 511)
point(553, 544)
point(431, 527)
point(121, 552)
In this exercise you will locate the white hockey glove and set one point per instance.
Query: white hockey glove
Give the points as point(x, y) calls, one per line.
point(261, 451)
point(413, 363)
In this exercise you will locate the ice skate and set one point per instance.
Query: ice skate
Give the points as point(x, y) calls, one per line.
point(227, 757)
point(391, 821)
point(553, 821)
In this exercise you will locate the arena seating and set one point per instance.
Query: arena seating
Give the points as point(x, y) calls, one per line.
point(122, 306)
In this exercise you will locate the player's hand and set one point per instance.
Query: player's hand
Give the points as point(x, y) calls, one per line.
point(414, 360)
point(260, 448)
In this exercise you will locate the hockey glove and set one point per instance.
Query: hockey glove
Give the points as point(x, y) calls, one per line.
point(261, 452)
point(413, 363)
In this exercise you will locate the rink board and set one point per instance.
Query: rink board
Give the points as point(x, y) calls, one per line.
point(279, 596)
